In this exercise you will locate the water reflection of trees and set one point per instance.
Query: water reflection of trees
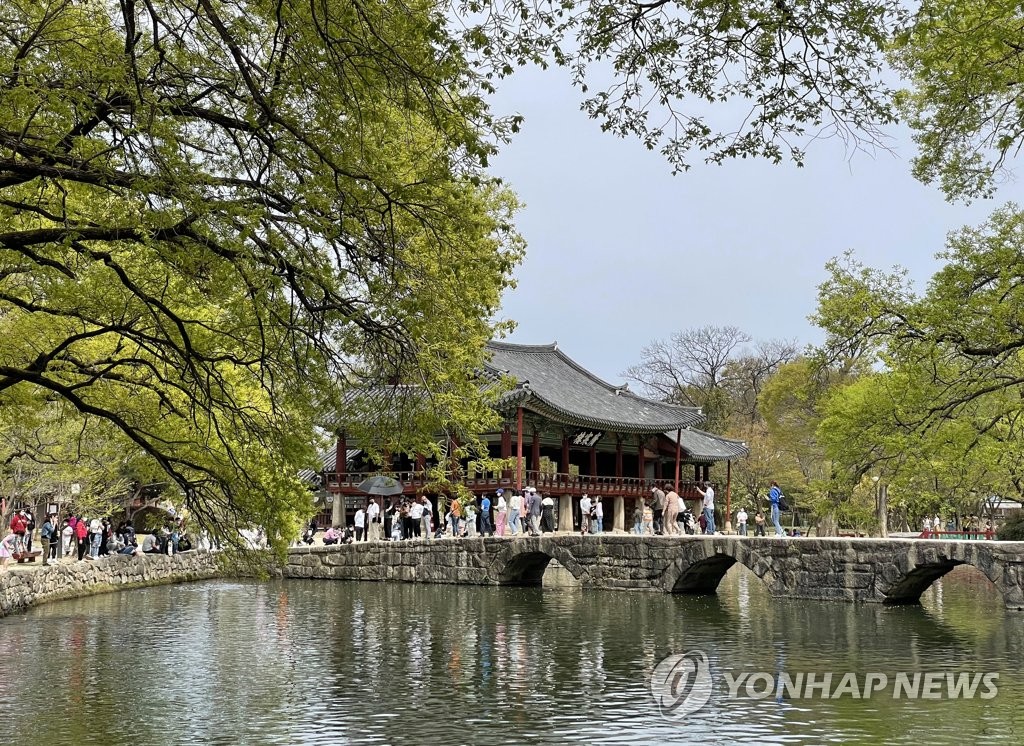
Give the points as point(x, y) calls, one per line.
point(294, 661)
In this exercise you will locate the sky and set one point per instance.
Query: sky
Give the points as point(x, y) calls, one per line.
point(621, 252)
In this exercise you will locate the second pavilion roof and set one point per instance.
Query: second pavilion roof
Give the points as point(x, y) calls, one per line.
point(552, 384)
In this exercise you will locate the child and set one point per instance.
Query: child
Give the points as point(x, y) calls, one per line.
point(7, 548)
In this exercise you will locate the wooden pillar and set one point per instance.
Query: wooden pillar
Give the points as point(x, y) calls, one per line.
point(696, 472)
point(535, 451)
point(565, 513)
point(618, 456)
point(454, 466)
point(619, 516)
point(593, 461)
point(679, 437)
point(338, 510)
point(640, 457)
point(506, 449)
point(519, 448)
point(564, 466)
point(728, 497)
point(657, 470)
point(338, 516)
point(341, 457)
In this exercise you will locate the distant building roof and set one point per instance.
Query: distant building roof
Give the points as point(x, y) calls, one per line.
point(552, 384)
point(328, 460)
point(1005, 503)
point(704, 446)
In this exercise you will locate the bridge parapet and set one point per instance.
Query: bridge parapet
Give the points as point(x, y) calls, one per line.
point(826, 569)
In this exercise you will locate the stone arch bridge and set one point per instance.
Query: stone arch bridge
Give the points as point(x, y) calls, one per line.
point(892, 571)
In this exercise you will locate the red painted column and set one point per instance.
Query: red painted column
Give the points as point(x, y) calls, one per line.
point(535, 452)
point(564, 466)
point(640, 457)
point(341, 457)
point(728, 492)
point(679, 436)
point(506, 442)
point(506, 449)
point(519, 448)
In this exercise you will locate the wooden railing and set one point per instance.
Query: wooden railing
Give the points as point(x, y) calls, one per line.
point(968, 535)
point(558, 483)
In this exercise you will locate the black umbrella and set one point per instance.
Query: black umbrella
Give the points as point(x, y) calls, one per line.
point(381, 485)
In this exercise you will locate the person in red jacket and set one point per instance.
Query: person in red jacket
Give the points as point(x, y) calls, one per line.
point(19, 525)
point(81, 534)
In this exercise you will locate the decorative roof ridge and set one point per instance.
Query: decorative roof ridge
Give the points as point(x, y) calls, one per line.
point(668, 405)
point(716, 435)
point(553, 349)
point(513, 347)
point(552, 406)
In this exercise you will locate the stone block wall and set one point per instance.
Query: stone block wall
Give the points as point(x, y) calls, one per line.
point(22, 587)
point(858, 570)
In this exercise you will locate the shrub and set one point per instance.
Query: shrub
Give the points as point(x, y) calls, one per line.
point(1013, 528)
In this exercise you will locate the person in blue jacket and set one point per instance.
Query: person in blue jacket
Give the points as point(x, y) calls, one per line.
point(774, 496)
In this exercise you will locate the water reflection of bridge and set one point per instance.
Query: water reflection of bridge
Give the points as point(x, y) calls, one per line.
point(891, 571)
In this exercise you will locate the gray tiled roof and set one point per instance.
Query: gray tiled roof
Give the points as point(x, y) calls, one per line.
point(703, 446)
point(328, 459)
point(552, 384)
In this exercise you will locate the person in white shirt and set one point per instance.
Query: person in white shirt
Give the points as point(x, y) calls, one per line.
point(708, 493)
point(416, 517)
point(502, 513)
point(360, 523)
point(547, 514)
point(514, 504)
point(585, 505)
point(374, 531)
point(741, 522)
point(598, 516)
point(670, 525)
point(428, 510)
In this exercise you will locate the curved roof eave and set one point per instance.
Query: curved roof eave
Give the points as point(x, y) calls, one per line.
point(556, 386)
point(553, 412)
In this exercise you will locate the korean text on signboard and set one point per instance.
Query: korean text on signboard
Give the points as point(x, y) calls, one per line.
point(587, 438)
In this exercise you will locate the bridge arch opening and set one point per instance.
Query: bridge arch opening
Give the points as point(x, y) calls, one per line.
point(535, 569)
point(703, 576)
point(963, 584)
point(911, 587)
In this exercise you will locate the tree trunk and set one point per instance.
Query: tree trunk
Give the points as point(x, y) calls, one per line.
point(882, 505)
point(827, 525)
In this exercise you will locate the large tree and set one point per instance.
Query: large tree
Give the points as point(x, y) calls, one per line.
point(711, 367)
point(215, 216)
point(717, 80)
point(965, 62)
point(720, 79)
point(949, 405)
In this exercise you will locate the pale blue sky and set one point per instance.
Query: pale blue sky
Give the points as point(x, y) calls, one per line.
point(621, 252)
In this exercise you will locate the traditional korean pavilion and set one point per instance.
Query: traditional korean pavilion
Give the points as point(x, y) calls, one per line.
point(569, 433)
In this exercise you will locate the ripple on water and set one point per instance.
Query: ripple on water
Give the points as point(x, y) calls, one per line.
point(297, 662)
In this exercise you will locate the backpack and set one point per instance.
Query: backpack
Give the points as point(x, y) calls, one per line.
point(783, 505)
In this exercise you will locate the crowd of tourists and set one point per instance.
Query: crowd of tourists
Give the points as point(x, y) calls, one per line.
point(507, 513)
point(527, 512)
point(84, 539)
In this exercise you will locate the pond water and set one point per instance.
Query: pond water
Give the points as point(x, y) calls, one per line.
point(295, 662)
